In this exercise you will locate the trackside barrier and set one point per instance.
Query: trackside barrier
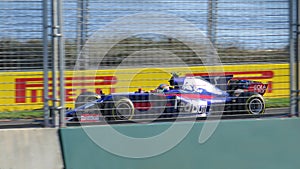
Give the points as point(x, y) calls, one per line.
point(246, 144)
point(24, 90)
point(36, 148)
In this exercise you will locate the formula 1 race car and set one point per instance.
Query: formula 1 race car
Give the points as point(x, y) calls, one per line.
point(184, 96)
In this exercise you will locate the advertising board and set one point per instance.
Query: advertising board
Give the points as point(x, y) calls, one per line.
point(24, 90)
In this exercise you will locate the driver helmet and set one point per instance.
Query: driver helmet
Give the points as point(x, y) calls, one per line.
point(163, 88)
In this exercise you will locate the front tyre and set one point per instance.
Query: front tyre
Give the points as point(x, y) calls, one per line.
point(89, 111)
point(85, 97)
point(122, 109)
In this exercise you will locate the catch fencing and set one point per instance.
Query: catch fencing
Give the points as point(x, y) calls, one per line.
point(120, 46)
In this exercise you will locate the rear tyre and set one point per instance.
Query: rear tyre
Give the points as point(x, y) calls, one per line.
point(251, 103)
point(255, 104)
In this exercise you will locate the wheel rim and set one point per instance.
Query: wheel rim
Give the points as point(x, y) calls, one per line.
point(256, 106)
point(123, 111)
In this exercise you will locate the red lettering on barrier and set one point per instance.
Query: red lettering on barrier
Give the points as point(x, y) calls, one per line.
point(33, 96)
point(20, 92)
point(36, 84)
point(69, 94)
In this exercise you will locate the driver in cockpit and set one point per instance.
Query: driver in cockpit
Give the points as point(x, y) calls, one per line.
point(162, 88)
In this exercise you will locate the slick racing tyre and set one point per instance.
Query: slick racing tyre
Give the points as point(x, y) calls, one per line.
point(85, 97)
point(252, 103)
point(120, 109)
point(255, 104)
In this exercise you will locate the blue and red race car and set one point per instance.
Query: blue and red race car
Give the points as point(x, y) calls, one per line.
point(183, 96)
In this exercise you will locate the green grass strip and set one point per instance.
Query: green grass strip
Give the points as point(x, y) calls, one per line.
point(277, 102)
point(21, 115)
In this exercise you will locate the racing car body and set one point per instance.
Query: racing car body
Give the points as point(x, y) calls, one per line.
point(187, 96)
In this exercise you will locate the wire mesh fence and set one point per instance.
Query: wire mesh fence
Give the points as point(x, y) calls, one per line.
point(21, 37)
point(140, 43)
point(258, 29)
point(21, 55)
point(132, 47)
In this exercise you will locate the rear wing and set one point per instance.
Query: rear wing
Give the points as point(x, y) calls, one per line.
point(258, 87)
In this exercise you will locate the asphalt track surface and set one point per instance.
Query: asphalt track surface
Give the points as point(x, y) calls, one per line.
point(34, 123)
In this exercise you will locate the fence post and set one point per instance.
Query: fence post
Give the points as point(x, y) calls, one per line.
point(61, 57)
point(45, 63)
point(294, 61)
point(298, 71)
point(297, 56)
point(55, 35)
point(212, 20)
point(82, 22)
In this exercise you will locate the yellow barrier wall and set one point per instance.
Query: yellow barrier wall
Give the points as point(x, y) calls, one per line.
point(24, 90)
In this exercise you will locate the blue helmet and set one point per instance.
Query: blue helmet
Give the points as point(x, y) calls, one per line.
point(163, 87)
